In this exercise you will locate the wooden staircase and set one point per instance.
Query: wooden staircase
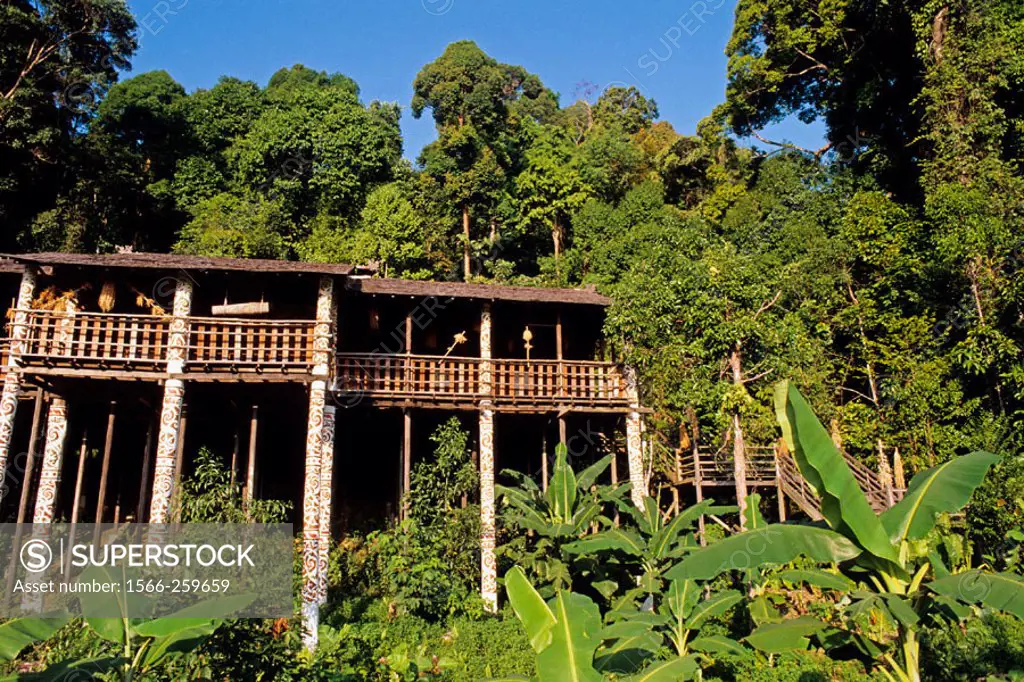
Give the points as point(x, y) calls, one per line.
point(794, 486)
point(772, 466)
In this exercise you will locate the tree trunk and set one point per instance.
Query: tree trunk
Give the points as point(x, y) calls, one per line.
point(739, 450)
point(466, 263)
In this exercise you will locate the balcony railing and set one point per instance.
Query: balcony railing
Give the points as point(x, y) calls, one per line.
point(109, 341)
point(94, 339)
point(250, 345)
point(512, 381)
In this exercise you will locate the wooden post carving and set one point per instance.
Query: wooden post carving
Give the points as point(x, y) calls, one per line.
point(634, 441)
point(171, 407)
point(12, 377)
point(326, 490)
point(53, 457)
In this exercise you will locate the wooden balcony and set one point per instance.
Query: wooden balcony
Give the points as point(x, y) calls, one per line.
point(98, 341)
point(423, 378)
point(137, 345)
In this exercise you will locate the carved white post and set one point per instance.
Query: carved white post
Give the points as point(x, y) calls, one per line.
point(311, 500)
point(170, 410)
point(53, 456)
point(12, 376)
point(634, 440)
point(326, 472)
point(488, 562)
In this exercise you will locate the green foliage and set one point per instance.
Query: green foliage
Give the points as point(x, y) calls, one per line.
point(208, 496)
point(546, 523)
point(438, 485)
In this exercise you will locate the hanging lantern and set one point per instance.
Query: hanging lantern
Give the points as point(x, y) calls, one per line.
point(108, 296)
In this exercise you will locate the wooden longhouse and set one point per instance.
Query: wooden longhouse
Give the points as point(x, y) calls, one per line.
point(142, 358)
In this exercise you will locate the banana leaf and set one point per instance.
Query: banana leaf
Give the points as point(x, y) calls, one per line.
point(667, 671)
point(775, 638)
point(843, 503)
point(719, 644)
point(773, 544)
point(716, 605)
point(612, 539)
point(19, 633)
point(1002, 591)
point(941, 489)
point(574, 640)
point(533, 613)
point(817, 578)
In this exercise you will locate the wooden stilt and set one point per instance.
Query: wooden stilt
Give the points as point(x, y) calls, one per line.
point(634, 441)
point(615, 475)
point(250, 476)
point(165, 464)
point(53, 458)
point(698, 486)
point(83, 452)
point(544, 460)
point(19, 331)
point(312, 536)
point(26, 483)
point(561, 371)
point(326, 497)
point(108, 445)
point(779, 491)
point(30, 459)
point(406, 460)
point(147, 463)
point(179, 455)
point(488, 557)
point(235, 444)
point(739, 463)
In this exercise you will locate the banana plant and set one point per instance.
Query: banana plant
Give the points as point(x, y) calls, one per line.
point(567, 635)
point(572, 507)
point(673, 626)
point(899, 579)
point(648, 551)
point(142, 643)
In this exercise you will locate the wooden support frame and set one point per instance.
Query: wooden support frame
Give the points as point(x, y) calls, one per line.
point(30, 458)
point(147, 465)
point(108, 445)
point(53, 458)
point(250, 465)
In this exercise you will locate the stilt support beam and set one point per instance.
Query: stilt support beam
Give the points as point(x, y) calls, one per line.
point(53, 457)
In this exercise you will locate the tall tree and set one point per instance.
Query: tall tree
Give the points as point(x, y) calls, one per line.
point(57, 60)
point(474, 100)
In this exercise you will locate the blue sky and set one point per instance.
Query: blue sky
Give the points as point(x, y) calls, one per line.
point(672, 51)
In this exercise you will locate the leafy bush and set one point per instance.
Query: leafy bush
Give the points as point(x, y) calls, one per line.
point(207, 496)
point(993, 643)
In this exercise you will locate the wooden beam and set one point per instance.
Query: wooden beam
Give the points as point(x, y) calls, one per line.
point(179, 455)
point(544, 458)
point(30, 460)
point(26, 484)
point(250, 477)
point(406, 460)
point(147, 463)
point(83, 452)
point(235, 445)
point(108, 445)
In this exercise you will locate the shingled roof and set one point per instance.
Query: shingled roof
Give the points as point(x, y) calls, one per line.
point(166, 261)
point(493, 292)
point(356, 284)
point(10, 266)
